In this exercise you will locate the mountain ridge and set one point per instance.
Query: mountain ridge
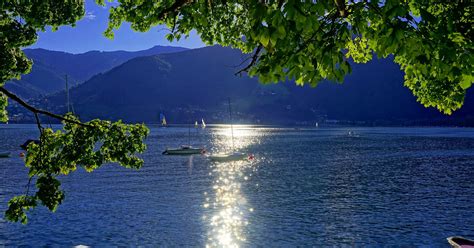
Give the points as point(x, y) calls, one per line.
point(196, 83)
point(50, 67)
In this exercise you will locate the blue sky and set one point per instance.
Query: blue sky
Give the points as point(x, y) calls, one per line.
point(88, 35)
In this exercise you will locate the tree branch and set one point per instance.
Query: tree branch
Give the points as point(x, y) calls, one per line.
point(37, 111)
point(254, 60)
point(174, 7)
point(332, 16)
point(341, 7)
point(243, 61)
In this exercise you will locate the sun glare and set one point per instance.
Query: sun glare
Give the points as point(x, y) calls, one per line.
point(228, 207)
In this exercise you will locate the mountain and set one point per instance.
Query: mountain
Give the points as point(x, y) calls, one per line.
point(50, 68)
point(191, 84)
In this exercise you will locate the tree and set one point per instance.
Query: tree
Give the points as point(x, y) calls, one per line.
point(308, 41)
point(302, 40)
point(89, 144)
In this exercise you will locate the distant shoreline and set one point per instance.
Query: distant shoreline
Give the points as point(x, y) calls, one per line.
point(246, 125)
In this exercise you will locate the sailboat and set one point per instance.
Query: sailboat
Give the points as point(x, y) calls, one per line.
point(196, 125)
point(163, 120)
point(67, 96)
point(185, 149)
point(233, 156)
point(229, 157)
point(203, 124)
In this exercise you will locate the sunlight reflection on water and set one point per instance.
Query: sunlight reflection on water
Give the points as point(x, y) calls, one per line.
point(228, 205)
point(244, 136)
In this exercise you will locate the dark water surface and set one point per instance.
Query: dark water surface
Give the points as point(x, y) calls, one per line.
point(306, 187)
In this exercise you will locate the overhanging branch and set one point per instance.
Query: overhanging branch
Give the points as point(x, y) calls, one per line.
point(174, 7)
point(37, 111)
point(254, 60)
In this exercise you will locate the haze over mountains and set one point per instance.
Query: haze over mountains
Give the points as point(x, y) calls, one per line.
point(187, 85)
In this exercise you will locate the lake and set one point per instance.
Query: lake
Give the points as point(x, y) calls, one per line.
point(305, 187)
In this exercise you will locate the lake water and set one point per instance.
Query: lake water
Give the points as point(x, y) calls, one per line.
point(305, 187)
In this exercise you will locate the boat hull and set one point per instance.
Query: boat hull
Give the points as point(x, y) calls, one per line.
point(460, 242)
point(228, 157)
point(5, 154)
point(180, 151)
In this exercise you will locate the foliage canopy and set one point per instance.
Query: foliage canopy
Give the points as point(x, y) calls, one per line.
point(88, 145)
point(302, 40)
point(309, 41)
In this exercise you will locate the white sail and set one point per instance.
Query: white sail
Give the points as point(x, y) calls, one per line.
point(196, 124)
point(163, 121)
point(203, 124)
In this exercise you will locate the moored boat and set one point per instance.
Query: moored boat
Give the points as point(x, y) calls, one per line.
point(232, 156)
point(229, 157)
point(460, 242)
point(184, 150)
point(4, 154)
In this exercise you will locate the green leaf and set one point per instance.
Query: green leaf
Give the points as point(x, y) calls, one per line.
point(281, 31)
point(264, 39)
point(466, 81)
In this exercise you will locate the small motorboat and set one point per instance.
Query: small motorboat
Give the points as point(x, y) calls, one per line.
point(460, 242)
point(229, 157)
point(4, 154)
point(184, 150)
